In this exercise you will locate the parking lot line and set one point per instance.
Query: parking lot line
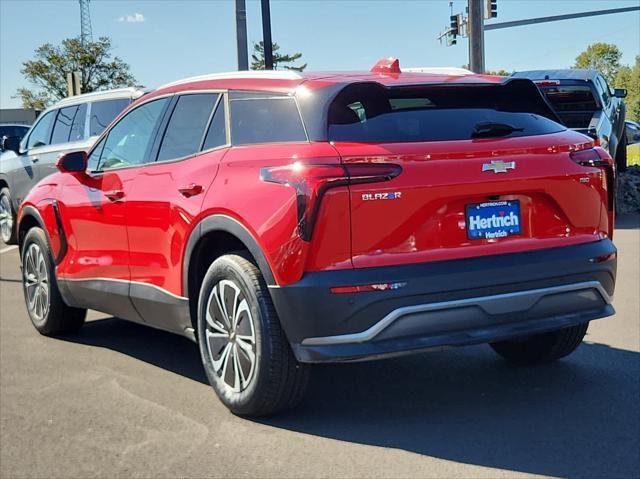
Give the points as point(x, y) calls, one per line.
point(7, 249)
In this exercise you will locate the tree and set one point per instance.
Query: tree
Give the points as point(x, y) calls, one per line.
point(629, 77)
point(604, 57)
point(501, 72)
point(51, 63)
point(278, 58)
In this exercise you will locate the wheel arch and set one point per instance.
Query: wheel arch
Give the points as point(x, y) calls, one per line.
point(212, 237)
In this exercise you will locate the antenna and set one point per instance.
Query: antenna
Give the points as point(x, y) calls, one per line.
point(85, 22)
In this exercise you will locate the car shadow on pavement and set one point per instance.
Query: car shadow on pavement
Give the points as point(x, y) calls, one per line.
point(578, 417)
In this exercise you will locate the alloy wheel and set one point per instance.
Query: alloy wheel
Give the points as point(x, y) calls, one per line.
point(36, 282)
point(230, 335)
point(6, 219)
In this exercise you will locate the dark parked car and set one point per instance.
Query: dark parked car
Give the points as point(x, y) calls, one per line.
point(584, 102)
point(633, 132)
point(12, 129)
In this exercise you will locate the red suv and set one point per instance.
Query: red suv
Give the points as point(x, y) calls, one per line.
point(280, 219)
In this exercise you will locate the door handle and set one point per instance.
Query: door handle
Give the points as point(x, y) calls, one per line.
point(35, 159)
point(114, 195)
point(190, 190)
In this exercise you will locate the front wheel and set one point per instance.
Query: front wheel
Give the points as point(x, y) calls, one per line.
point(7, 218)
point(244, 350)
point(48, 312)
point(542, 348)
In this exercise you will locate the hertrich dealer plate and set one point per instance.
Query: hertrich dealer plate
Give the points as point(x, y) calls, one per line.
point(496, 219)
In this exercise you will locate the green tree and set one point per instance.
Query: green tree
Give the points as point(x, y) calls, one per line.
point(604, 57)
point(47, 71)
point(501, 72)
point(629, 77)
point(279, 59)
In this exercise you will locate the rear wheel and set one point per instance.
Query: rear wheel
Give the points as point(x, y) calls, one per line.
point(245, 352)
point(7, 218)
point(543, 347)
point(48, 312)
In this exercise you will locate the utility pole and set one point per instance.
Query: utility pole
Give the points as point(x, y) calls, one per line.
point(475, 27)
point(241, 35)
point(266, 35)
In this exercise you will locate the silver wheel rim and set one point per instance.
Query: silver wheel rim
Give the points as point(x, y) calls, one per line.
point(6, 218)
point(36, 282)
point(230, 335)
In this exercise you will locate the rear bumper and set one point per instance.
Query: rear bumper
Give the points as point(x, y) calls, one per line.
point(448, 303)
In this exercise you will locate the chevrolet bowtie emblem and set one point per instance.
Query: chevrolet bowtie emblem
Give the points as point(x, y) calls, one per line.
point(499, 166)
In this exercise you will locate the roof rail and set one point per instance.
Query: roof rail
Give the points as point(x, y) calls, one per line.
point(266, 74)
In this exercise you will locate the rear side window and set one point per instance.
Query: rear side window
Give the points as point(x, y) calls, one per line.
point(265, 120)
point(103, 113)
point(217, 134)
point(185, 130)
point(372, 113)
point(69, 125)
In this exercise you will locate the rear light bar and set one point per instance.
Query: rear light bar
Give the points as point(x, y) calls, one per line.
point(368, 288)
point(599, 158)
point(312, 181)
point(547, 82)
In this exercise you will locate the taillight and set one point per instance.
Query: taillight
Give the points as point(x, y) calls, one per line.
point(312, 181)
point(599, 158)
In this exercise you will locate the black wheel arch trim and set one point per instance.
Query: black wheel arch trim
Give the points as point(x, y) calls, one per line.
point(226, 224)
point(32, 212)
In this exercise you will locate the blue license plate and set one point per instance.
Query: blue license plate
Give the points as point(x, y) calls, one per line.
point(494, 219)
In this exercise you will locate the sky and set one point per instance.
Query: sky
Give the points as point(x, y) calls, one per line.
point(167, 40)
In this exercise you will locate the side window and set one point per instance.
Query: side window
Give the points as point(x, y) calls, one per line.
point(62, 126)
point(41, 133)
point(77, 128)
point(265, 120)
point(217, 134)
point(103, 113)
point(186, 127)
point(604, 90)
point(128, 141)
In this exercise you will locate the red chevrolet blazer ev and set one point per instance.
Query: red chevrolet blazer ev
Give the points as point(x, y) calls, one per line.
point(280, 219)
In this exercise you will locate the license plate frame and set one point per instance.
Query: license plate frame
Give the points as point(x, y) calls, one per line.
point(493, 219)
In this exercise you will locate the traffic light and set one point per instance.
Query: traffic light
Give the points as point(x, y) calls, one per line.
point(455, 25)
point(492, 8)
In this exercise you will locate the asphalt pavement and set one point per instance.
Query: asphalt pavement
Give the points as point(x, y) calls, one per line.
point(122, 400)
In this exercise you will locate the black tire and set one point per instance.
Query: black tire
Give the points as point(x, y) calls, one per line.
point(7, 209)
point(542, 348)
point(55, 317)
point(274, 381)
point(621, 154)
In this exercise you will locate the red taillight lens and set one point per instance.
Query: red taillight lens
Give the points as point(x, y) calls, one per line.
point(312, 181)
point(599, 158)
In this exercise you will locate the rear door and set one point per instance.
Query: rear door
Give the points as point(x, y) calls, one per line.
point(475, 180)
point(166, 198)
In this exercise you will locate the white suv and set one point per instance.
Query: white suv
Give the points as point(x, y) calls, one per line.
point(73, 123)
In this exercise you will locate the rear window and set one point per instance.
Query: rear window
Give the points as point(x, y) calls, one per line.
point(571, 98)
point(103, 112)
point(371, 113)
point(265, 120)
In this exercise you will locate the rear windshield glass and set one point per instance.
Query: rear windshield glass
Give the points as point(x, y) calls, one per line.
point(571, 98)
point(265, 120)
point(369, 113)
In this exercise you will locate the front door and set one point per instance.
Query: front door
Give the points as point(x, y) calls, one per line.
point(96, 268)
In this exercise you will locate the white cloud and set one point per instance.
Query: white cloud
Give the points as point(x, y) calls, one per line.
point(135, 18)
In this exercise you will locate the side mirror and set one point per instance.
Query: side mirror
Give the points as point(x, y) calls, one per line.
point(72, 162)
point(620, 92)
point(12, 143)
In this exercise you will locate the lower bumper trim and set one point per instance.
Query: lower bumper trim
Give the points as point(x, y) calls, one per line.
point(582, 296)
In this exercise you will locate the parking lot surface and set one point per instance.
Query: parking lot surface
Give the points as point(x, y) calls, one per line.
point(122, 400)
